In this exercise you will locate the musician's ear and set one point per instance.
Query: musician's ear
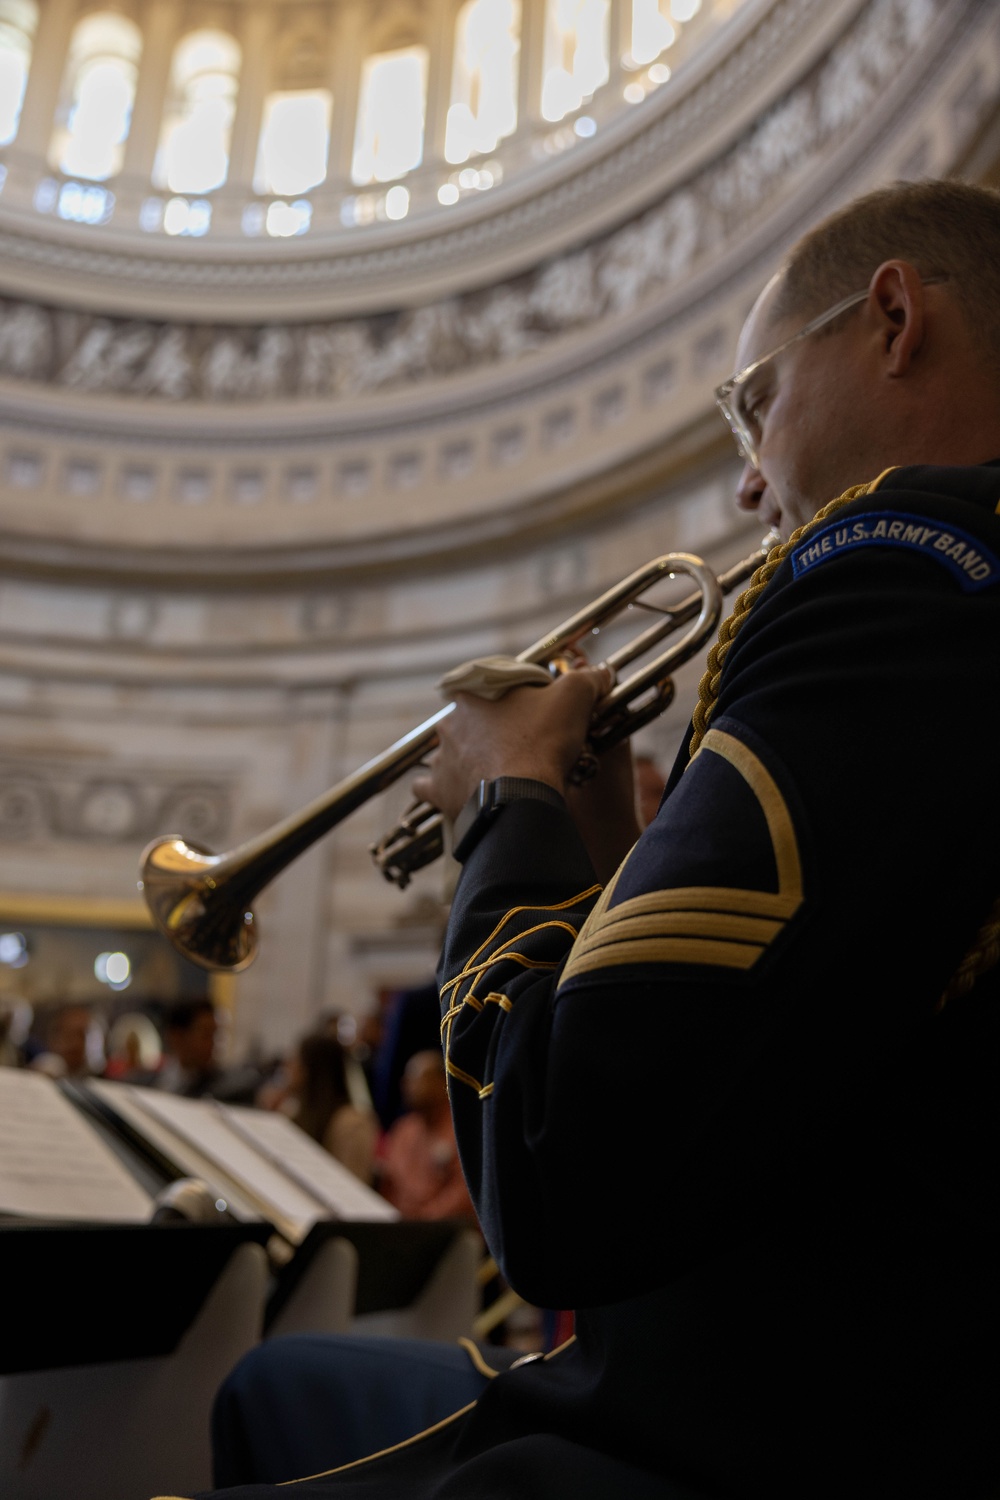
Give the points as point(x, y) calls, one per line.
point(896, 301)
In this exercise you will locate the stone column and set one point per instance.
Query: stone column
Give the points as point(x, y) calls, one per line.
point(161, 27)
point(441, 59)
point(348, 56)
point(48, 64)
point(255, 76)
point(620, 37)
point(532, 70)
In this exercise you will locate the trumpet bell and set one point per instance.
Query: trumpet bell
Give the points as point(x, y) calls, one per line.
point(197, 906)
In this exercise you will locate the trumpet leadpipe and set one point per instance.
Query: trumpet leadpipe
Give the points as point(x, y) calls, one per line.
point(202, 902)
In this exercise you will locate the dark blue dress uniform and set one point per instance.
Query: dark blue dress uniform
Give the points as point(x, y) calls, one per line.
point(719, 1107)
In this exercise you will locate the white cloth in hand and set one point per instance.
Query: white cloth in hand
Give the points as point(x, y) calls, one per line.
point(490, 677)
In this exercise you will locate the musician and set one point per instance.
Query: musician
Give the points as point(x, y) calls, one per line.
point(787, 985)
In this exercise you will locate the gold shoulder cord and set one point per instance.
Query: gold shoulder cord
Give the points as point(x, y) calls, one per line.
point(708, 690)
point(984, 952)
point(980, 958)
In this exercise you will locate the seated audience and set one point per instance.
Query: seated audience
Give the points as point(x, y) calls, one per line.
point(318, 1100)
point(65, 1054)
point(411, 1023)
point(133, 1046)
point(10, 1054)
point(649, 784)
point(420, 1171)
point(190, 1067)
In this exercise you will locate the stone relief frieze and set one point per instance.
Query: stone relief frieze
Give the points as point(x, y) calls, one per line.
point(614, 275)
point(41, 801)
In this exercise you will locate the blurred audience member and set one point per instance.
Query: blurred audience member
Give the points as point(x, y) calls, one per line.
point(10, 1053)
point(273, 1090)
point(133, 1047)
point(343, 1025)
point(65, 1054)
point(649, 784)
point(411, 1023)
point(319, 1101)
point(190, 1067)
point(420, 1171)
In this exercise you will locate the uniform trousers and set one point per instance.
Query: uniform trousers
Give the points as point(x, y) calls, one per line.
point(306, 1403)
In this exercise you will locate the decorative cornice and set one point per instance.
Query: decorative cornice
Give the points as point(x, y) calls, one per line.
point(408, 549)
point(50, 798)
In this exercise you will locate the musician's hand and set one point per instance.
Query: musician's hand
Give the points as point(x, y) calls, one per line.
point(536, 732)
point(604, 811)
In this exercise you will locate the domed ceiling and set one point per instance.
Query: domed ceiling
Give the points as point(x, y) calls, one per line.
point(365, 392)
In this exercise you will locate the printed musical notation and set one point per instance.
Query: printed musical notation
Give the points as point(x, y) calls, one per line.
point(53, 1165)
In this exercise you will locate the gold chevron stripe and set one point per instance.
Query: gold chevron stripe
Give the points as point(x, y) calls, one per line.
point(772, 804)
point(714, 925)
point(714, 898)
point(667, 951)
point(683, 924)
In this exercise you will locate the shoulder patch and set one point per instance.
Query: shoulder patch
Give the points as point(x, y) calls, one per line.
point(965, 557)
point(718, 926)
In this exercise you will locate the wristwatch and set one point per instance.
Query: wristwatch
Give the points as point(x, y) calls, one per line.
point(484, 804)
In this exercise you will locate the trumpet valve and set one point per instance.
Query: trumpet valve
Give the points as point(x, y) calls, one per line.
point(416, 840)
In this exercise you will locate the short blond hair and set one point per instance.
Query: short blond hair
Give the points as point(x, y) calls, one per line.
point(942, 228)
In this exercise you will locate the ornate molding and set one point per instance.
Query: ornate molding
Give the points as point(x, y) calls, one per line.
point(42, 800)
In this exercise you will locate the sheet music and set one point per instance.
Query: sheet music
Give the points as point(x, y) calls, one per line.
point(122, 1099)
point(283, 1142)
point(53, 1165)
point(203, 1123)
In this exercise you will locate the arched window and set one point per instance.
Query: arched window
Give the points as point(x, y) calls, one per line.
point(389, 139)
point(294, 141)
point(18, 20)
point(194, 144)
point(652, 31)
point(576, 54)
point(96, 112)
point(484, 82)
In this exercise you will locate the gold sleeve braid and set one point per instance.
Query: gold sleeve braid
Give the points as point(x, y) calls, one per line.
point(984, 952)
point(504, 950)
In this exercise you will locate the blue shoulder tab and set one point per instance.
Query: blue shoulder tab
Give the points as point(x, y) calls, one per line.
point(971, 564)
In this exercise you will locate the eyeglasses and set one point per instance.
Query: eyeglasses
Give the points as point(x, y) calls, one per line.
point(730, 396)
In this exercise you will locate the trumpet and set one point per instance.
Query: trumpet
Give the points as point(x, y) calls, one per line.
point(201, 901)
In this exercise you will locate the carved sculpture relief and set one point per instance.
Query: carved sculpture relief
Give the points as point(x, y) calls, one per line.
point(44, 801)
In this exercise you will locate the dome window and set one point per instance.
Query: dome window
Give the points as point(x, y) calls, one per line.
point(98, 94)
point(389, 140)
point(18, 20)
point(484, 82)
point(194, 144)
point(294, 141)
point(576, 54)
